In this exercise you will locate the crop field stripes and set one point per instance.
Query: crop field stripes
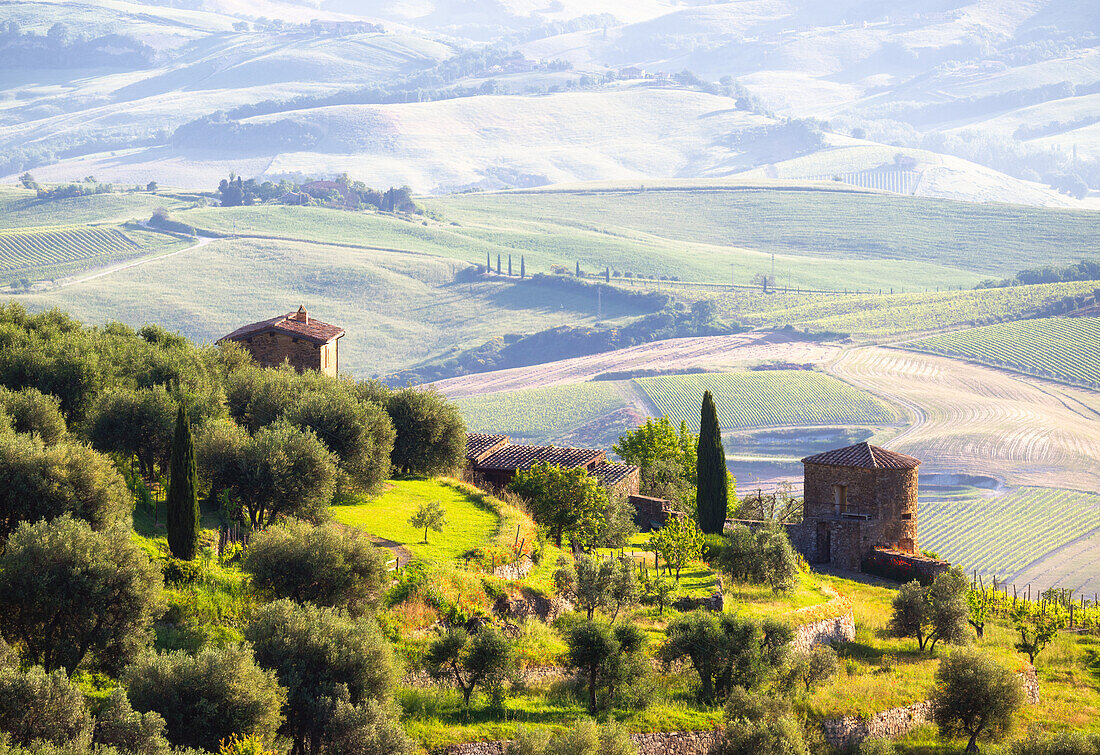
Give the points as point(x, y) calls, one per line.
point(57, 245)
point(1003, 534)
point(1060, 348)
point(896, 181)
point(772, 398)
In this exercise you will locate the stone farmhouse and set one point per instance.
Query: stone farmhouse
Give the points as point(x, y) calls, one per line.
point(304, 342)
point(495, 460)
point(860, 512)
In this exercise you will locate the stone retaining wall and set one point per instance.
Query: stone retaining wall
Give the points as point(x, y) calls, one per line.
point(659, 743)
point(828, 631)
point(849, 731)
point(518, 570)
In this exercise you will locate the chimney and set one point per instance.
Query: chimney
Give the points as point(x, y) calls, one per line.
point(301, 315)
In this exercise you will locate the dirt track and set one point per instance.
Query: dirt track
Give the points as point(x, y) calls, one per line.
point(711, 352)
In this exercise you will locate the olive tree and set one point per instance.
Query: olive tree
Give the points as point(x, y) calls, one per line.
point(36, 706)
point(322, 656)
point(134, 423)
point(117, 724)
point(607, 658)
point(326, 565)
point(359, 433)
point(974, 697)
point(486, 659)
point(759, 725)
point(431, 434)
point(44, 482)
point(208, 697)
point(70, 595)
point(34, 412)
point(727, 650)
point(930, 614)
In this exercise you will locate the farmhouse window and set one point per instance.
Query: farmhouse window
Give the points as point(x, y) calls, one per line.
point(907, 515)
point(840, 499)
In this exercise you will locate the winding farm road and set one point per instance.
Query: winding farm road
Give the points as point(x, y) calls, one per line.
point(66, 282)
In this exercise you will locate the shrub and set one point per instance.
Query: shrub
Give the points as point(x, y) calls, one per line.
point(321, 655)
point(209, 697)
point(117, 724)
point(584, 737)
point(759, 725)
point(34, 412)
point(366, 729)
point(1062, 743)
point(40, 706)
point(67, 593)
point(45, 482)
point(326, 565)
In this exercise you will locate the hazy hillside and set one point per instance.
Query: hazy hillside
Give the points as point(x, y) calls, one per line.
point(598, 91)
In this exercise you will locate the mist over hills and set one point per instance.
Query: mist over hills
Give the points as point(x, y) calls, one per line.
point(977, 101)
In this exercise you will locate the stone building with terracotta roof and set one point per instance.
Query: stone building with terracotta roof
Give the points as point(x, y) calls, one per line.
point(495, 460)
point(304, 342)
point(857, 499)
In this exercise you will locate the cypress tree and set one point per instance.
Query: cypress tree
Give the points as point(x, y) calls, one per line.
point(488, 263)
point(183, 500)
point(509, 265)
point(713, 475)
point(498, 264)
point(522, 268)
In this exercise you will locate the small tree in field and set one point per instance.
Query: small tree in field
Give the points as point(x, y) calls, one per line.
point(679, 542)
point(1037, 628)
point(933, 613)
point(429, 516)
point(486, 659)
point(812, 667)
point(974, 697)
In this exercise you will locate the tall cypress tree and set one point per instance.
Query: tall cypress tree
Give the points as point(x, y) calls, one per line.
point(183, 499)
point(713, 475)
point(522, 267)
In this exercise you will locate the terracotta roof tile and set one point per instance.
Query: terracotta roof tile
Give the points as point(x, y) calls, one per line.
point(481, 445)
point(864, 456)
point(296, 324)
point(610, 473)
point(523, 457)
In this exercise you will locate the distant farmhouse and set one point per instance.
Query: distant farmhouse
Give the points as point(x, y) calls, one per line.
point(860, 512)
point(496, 460)
point(305, 342)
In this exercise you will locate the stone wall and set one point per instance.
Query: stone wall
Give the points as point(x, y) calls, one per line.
point(849, 731)
point(659, 743)
point(651, 513)
point(825, 632)
point(518, 570)
point(272, 349)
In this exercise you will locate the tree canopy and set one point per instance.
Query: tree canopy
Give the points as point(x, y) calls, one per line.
point(566, 501)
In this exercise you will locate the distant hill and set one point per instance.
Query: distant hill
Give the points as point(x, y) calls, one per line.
point(594, 90)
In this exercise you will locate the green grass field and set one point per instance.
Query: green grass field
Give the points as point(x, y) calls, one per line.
point(878, 316)
point(399, 310)
point(540, 414)
point(468, 526)
point(827, 224)
point(767, 399)
point(1002, 534)
point(1063, 348)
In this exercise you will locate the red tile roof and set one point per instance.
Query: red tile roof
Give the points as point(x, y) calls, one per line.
point(481, 445)
point(864, 456)
point(609, 473)
point(523, 457)
point(296, 324)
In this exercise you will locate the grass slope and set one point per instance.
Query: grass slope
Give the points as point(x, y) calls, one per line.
point(806, 222)
point(767, 399)
point(468, 526)
point(1059, 347)
point(398, 309)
